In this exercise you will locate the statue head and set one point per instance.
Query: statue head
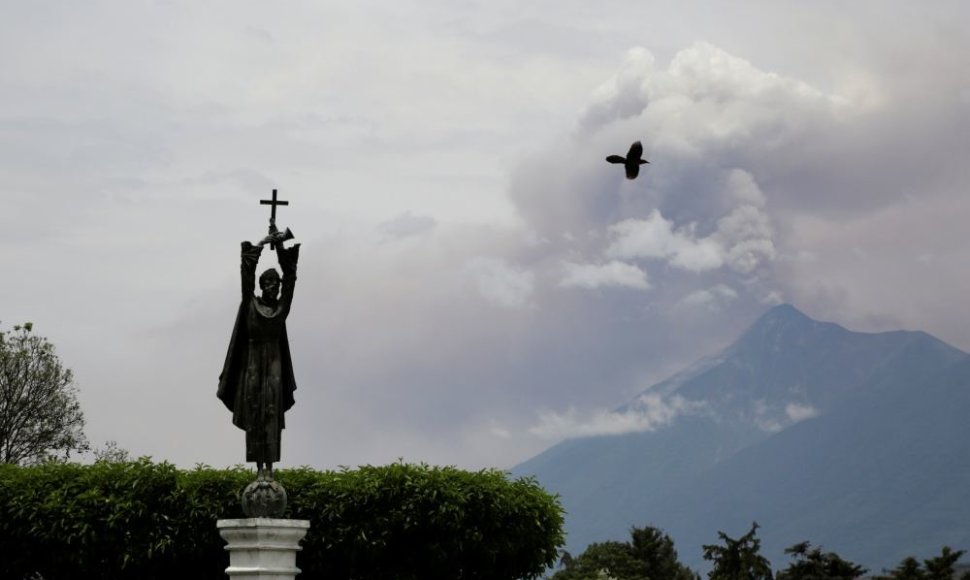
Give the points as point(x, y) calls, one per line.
point(269, 283)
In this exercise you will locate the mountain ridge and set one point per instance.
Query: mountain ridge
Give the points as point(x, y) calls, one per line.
point(752, 405)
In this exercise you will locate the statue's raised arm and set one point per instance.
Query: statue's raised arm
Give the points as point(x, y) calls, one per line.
point(249, 259)
point(287, 258)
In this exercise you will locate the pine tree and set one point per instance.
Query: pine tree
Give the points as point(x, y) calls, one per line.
point(738, 559)
point(815, 565)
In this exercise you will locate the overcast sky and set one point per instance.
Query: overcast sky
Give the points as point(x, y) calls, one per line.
point(476, 282)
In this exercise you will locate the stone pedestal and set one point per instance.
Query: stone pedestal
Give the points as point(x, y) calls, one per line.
point(263, 548)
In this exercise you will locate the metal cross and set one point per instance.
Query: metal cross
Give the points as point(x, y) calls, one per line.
point(273, 202)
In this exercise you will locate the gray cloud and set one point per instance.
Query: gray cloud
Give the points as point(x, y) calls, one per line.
point(470, 261)
point(407, 225)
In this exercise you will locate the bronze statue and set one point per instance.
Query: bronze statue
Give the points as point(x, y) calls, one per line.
point(257, 381)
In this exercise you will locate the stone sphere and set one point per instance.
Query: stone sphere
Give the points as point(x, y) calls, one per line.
point(264, 499)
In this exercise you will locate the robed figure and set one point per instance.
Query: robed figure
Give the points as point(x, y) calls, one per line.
point(257, 382)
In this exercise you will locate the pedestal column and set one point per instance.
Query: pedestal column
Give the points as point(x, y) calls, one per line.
point(263, 548)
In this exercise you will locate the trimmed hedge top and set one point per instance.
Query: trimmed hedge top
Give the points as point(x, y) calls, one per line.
point(140, 519)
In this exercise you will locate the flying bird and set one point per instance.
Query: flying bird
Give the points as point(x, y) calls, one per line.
point(632, 161)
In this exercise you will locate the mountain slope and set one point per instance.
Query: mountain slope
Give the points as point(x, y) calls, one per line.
point(815, 431)
point(879, 479)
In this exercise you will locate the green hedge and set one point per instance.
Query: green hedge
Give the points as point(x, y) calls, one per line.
point(147, 520)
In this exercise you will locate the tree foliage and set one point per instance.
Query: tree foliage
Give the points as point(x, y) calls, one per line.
point(936, 568)
point(649, 555)
point(40, 417)
point(813, 564)
point(138, 519)
point(608, 559)
point(738, 559)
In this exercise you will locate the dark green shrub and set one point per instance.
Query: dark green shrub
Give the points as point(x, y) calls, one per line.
point(145, 520)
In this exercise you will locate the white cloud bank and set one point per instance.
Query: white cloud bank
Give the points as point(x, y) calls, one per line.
point(768, 419)
point(613, 273)
point(648, 413)
point(741, 242)
point(712, 299)
point(656, 237)
point(706, 98)
point(798, 412)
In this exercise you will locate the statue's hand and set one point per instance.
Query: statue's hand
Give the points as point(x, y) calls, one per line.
point(274, 238)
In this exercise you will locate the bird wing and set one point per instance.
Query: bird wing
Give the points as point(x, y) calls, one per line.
point(615, 159)
point(632, 170)
point(636, 151)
